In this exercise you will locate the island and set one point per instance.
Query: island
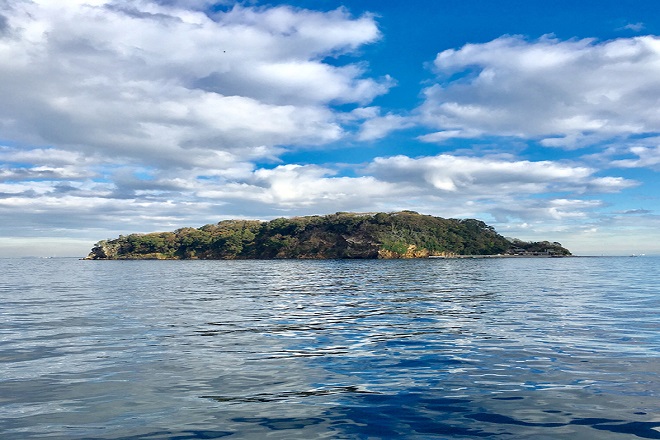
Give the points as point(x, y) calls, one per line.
point(345, 235)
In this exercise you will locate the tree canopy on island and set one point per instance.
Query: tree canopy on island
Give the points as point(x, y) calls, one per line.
point(405, 234)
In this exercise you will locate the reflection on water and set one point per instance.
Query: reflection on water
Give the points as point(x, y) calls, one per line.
point(542, 348)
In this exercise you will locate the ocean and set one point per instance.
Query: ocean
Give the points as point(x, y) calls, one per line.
point(546, 348)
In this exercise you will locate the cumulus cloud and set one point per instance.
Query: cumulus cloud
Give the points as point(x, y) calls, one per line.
point(4, 27)
point(503, 192)
point(442, 136)
point(646, 157)
point(72, 214)
point(629, 153)
point(493, 177)
point(562, 93)
point(308, 188)
point(42, 172)
point(151, 81)
point(379, 127)
point(545, 211)
point(44, 156)
point(445, 185)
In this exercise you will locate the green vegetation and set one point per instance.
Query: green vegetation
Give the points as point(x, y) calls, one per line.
point(404, 234)
point(519, 247)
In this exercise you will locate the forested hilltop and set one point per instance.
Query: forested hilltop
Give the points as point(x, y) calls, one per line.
point(404, 234)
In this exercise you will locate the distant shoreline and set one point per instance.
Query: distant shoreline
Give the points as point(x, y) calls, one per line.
point(434, 257)
point(500, 256)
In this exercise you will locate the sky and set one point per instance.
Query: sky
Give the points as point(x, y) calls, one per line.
point(540, 118)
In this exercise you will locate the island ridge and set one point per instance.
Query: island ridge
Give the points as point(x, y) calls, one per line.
point(405, 234)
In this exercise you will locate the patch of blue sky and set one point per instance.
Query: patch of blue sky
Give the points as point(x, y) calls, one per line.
point(16, 164)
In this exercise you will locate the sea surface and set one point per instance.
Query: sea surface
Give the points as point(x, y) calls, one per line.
point(565, 348)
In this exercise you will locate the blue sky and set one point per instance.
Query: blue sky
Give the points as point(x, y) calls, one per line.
point(540, 118)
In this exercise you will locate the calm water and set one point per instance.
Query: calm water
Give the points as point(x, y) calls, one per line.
point(421, 349)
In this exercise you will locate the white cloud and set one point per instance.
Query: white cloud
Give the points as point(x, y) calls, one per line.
point(42, 172)
point(442, 136)
point(632, 153)
point(547, 211)
point(492, 177)
point(635, 27)
point(150, 82)
point(502, 191)
point(299, 187)
point(564, 93)
point(44, 156)
point(647, 157)
point(379, 127)
point(603, 235)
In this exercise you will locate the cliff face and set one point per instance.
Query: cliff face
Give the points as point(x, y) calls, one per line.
point(342, 235)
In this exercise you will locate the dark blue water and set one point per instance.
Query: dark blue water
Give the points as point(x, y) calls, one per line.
point(418, 349)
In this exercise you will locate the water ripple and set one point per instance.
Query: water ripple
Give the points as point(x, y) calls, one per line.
point(564, 348)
